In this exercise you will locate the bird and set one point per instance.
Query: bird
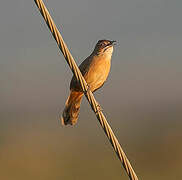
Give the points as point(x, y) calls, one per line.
point(95, 70)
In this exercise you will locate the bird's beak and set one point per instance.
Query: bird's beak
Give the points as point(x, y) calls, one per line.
point(113, 43)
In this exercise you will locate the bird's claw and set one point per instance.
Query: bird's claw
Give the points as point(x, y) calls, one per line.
point(98, 107)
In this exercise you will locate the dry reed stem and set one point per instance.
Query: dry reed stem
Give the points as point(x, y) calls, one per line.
point(89, 95)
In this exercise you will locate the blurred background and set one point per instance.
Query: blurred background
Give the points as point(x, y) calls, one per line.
point(142, 98)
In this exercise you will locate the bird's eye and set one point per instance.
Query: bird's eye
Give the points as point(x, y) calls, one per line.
point(102, 44)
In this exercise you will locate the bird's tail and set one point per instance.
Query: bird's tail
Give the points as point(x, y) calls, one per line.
point(72, 108)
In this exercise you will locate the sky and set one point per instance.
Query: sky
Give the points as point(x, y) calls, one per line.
point(142, 97)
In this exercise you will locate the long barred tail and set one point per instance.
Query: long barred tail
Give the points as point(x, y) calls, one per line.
point(72, 108)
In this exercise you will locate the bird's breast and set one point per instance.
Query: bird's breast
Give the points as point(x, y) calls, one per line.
point(98, 72)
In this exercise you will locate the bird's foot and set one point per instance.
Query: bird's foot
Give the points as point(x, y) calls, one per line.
point(98, 108)
point(87, 89)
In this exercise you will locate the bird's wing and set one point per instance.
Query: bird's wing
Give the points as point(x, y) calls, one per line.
point(84, 68)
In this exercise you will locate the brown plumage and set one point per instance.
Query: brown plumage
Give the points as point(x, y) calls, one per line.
point(95, 70)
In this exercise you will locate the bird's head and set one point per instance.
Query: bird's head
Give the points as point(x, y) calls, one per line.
point(104, 46)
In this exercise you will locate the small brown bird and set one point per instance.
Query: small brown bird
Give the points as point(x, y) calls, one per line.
point(95, 70)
